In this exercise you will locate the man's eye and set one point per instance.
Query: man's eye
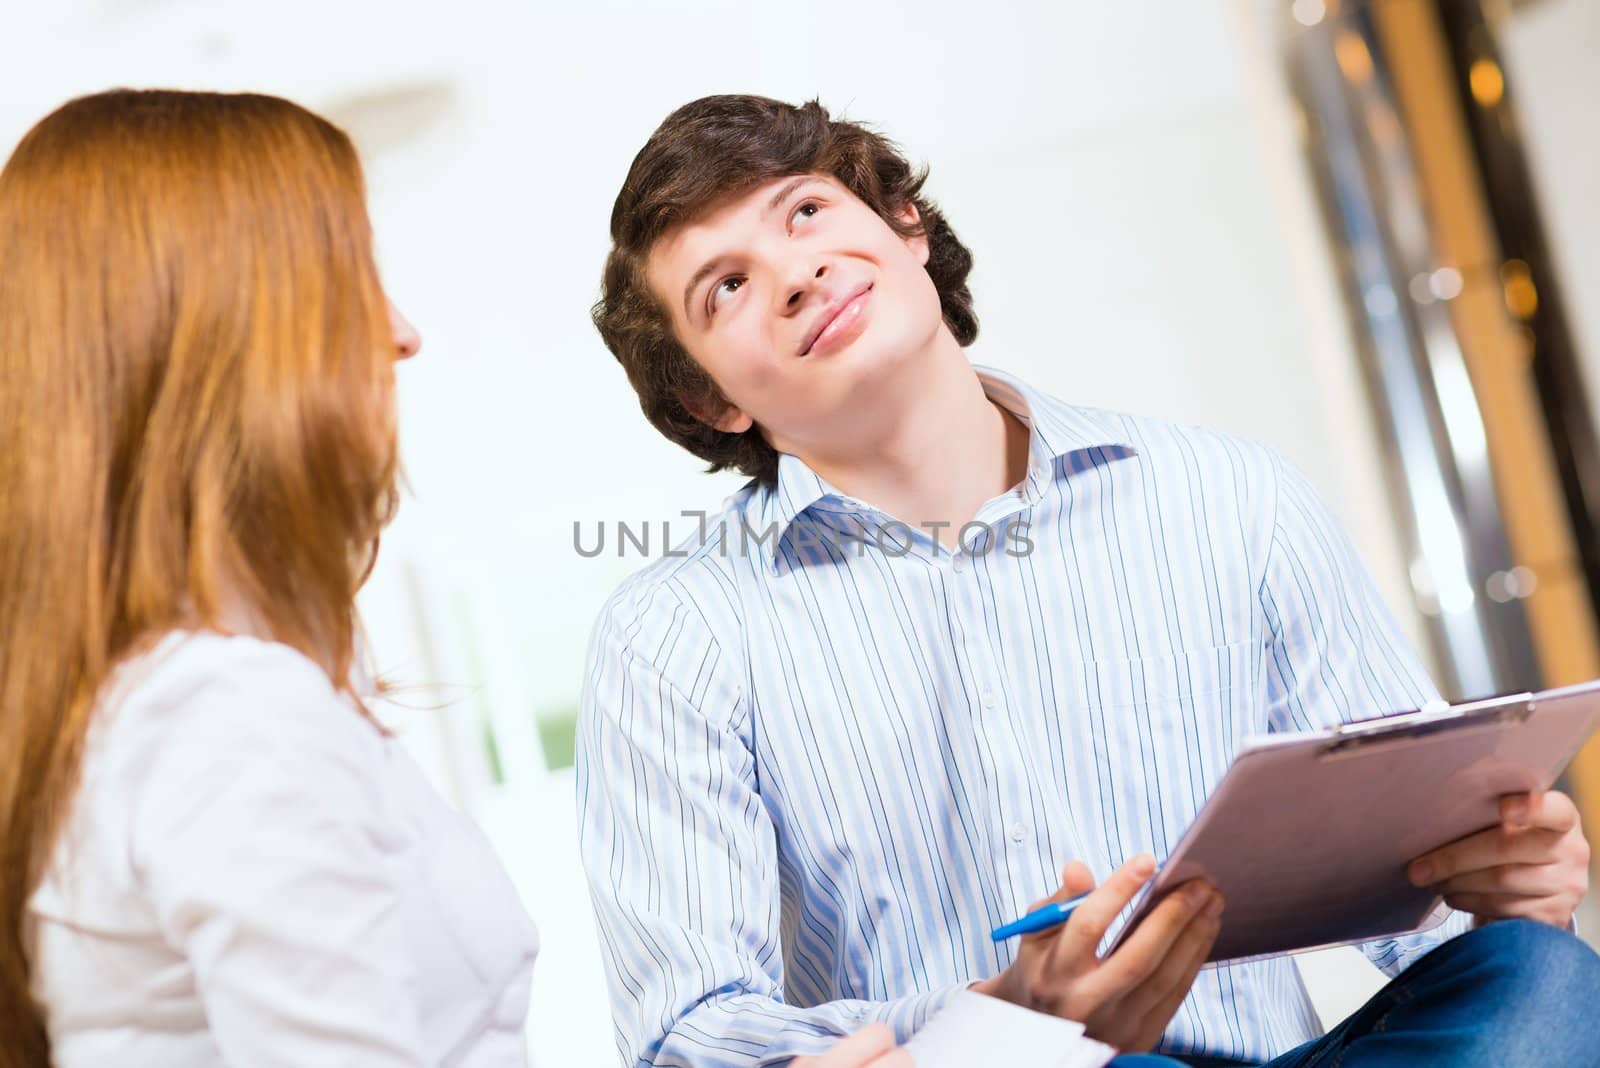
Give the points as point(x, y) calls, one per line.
point(725, 288)
point(806, 210)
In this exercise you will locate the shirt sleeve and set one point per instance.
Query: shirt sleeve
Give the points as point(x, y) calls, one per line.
point(261, 838)
point(1335, 653)
point(682, 858)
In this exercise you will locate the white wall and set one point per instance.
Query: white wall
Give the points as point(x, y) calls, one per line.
point(1127, 175)
point(1124, 173)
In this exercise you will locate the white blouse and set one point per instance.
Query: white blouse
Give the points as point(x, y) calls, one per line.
point(253, 874)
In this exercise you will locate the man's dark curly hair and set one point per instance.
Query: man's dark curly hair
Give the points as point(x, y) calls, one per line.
point(706, 153)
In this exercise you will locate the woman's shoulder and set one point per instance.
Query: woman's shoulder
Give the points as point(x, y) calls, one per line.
point(198, 714)
point(234, 689)
point(183, 660)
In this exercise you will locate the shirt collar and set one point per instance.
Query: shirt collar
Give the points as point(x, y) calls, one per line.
point(1055, 429)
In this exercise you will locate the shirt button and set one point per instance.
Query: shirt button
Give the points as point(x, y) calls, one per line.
point(960, 565)
point(1018, 833)
point(987, 697)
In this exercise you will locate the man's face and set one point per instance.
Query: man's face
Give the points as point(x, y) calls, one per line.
point(796, 299)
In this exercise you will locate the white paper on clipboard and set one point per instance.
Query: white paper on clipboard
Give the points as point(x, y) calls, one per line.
point(975, 1029)
point(1308, 836)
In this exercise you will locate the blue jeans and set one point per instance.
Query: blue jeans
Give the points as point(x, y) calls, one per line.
point(1514, 994)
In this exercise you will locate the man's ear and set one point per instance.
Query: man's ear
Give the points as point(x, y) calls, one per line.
point(918, 245)
point(717, 414)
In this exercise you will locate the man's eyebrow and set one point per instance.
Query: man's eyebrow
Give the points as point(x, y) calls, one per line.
point(788, 187)
point(706, 270)
point(710, 266)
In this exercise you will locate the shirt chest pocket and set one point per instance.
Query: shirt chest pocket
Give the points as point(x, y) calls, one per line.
point(1162, 730)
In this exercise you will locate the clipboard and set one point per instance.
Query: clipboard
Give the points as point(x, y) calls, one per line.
point(1308, 836)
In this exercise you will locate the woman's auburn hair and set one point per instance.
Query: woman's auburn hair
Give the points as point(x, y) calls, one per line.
point(196, 415)
point(704, 154)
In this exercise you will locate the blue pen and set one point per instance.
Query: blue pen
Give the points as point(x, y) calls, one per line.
point(1040, 919)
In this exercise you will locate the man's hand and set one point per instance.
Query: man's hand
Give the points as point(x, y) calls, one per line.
point(871, 1047)
point(1127, 999)
point(1534, 865)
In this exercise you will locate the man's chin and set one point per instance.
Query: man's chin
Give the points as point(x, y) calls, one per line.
point(866, 355)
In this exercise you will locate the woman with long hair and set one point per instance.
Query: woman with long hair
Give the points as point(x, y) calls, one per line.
point(212, 853)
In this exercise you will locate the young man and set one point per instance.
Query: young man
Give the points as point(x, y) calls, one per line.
point(954, 635)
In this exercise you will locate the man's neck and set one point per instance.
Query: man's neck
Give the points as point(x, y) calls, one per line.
point(939, 454)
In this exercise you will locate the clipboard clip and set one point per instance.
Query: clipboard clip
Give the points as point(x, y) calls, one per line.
point(1436, 715)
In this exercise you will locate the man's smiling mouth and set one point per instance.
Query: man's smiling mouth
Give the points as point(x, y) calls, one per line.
point(835, 318)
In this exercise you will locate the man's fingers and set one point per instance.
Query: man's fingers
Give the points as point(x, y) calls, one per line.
point(1521, 880)
point(1149, 1008)
point(1080, 936)
point(1164, 1010)
point(871, 1047)
point(1182, 963)
point(1550, 810)
point(1486, 849)
point(1157, 939)
point(1076, 878)
point(1498, 906)
point(862, 1048)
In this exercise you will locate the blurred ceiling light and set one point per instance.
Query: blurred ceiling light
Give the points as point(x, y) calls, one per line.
point(1463, 419)
point(1445, 283)
point(1456, 598)
point(1422, 584)
point(1354, 59)
point(1487, 83)
point(1309, 12)
point(1522, 581)
point(1421, 288)
point(1503, 586)
point(1522, 296)
point(1454, 595)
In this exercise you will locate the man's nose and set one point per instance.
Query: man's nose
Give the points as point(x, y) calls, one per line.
point(805, 282)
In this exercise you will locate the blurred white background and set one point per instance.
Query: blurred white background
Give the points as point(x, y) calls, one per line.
point(1128, 175)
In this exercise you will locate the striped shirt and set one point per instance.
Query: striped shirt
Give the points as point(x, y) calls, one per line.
point(820, 757)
